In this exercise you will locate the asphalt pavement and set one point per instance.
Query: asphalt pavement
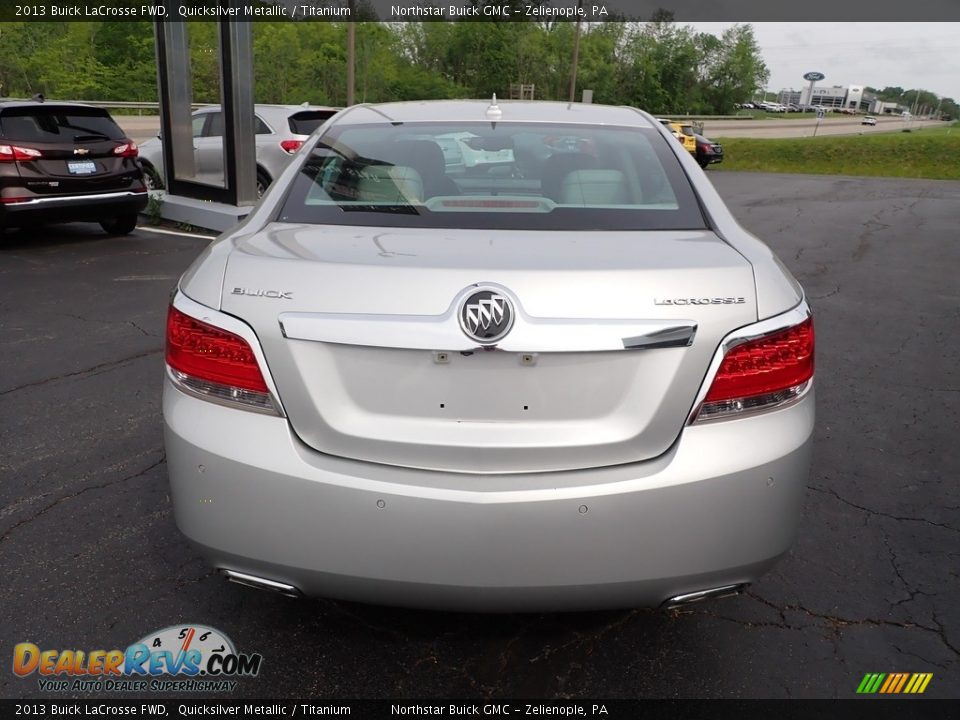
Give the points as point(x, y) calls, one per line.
point(92, 559)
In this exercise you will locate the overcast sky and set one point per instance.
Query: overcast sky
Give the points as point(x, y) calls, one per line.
point(925, 55)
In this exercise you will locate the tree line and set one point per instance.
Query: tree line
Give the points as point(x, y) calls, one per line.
point(921, 102)
point(660, 65)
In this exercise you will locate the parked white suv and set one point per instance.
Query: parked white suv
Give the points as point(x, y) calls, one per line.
point(280, 131)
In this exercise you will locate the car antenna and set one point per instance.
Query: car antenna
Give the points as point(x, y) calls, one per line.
point(494, 112)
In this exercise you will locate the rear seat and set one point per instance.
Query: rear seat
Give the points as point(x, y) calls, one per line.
point(594, 187)
point(389, 184)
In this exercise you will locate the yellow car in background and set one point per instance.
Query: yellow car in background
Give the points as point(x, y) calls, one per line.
point(683, 132)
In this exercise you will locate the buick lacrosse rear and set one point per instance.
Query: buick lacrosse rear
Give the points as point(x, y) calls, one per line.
point(512, 357)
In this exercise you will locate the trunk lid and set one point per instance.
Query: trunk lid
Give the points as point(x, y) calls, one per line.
point(360, 329)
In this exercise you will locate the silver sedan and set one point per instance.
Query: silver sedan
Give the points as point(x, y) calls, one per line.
point(559, 376)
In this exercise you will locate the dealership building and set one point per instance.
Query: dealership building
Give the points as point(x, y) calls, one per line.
point(851, 97)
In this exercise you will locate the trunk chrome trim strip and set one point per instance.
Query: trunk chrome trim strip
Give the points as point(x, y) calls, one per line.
point(678, 336)
point(528, 334)
point(442, 332)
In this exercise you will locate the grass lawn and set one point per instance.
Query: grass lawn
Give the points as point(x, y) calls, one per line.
point(929, 153)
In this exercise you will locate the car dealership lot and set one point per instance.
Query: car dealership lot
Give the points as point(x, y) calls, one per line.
point(94, 561)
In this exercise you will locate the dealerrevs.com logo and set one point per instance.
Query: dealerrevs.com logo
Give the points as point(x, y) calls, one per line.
point(179, 658)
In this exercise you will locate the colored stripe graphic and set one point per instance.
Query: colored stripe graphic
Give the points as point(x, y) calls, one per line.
point(894, 683)
point(870, 683)
point(919, 683)
point(892, 680)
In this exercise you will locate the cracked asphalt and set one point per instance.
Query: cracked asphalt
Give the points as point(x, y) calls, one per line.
point(92, 559)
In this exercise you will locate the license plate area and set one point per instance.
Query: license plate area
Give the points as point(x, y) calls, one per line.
point(81, 167)
point(481, 386)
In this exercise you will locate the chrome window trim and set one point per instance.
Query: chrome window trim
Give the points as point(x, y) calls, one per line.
point(237, 327)
point(528, 334)
point(794, 316)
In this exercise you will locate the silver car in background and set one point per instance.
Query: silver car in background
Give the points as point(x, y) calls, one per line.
point(280, 130)
point(559, 379)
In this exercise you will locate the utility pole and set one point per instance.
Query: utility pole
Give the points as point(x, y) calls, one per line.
point(351, 52)
point(576, 55)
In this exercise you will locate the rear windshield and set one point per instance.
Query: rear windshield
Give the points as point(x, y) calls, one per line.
point(522, 176)
point(306, 121)
point(58, 124)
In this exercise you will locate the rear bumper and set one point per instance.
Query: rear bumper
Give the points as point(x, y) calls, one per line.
point(62, 208)
point(718, 509)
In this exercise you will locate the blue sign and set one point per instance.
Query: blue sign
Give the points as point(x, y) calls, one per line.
point(814, 76)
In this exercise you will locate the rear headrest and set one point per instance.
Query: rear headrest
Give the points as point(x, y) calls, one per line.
point(389, 184)
point(594, 187)
point(558, 166)
point(420, 154)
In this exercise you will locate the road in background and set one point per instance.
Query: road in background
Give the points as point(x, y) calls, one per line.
point(93, 559)
point(144, 127)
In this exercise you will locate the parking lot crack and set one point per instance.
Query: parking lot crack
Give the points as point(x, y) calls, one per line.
point(896, 566)
point(583, 638)
point(752, 623)
point(144, 332)
point(102, 366)
point(50, 506)
point(837, 621)
point(835, 290)
point(878, 513)
point(919, 657)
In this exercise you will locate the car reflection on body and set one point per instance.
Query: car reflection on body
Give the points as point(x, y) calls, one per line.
point(576, 383)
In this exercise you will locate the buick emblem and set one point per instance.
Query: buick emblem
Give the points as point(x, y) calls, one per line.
point(486, 316)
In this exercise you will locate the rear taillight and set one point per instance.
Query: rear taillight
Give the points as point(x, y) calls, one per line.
point(128, 149)
point(762, 373)
point(291, 146)
point(214, 363)
point(12, 153)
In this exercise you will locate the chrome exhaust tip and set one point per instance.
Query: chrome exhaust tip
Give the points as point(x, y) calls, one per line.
point(688, 598)
point(261, 583)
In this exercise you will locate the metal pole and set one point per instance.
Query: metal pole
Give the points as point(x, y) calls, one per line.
point(576, 54)
point(351, 52)
point(236, 91)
